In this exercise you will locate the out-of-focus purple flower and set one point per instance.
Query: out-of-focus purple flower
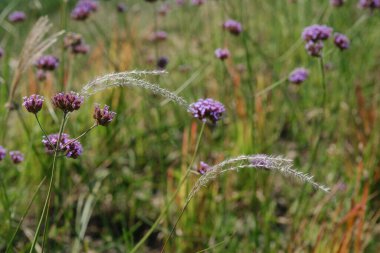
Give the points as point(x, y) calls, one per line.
point(83, 9)
point(80, 49)
point(341, 41)
point(67, 101)
point(1, 52)
point(50, 142)
point(198, 2)
point(369, 4)
point(47, 62)
point(162, 62)
point(16, 17)
point(164, 9)
point(74, 149)
point(314, 48)
point(121, 7)
point(180, 2)
point(33, 103)
point(159, 36)
point(103, 116)
point(16, 156)
point(336, 3)
point(298, 76)
point(316, 33)
point(41, 75)
point(203, 168)
point(3, 153)
point(222, 53)
point(208, 108)
point(233, 26)
point(150, 1)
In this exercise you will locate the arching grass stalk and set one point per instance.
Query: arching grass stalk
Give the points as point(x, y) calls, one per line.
point(271, 87)
point(163, 212)
point(47, 200)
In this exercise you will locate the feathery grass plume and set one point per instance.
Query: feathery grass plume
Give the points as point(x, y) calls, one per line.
point(266, 162)
point(131, 79)
point(34, 46)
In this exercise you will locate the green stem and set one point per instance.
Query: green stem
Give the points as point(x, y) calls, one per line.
point(43, 130)
point(80, 136)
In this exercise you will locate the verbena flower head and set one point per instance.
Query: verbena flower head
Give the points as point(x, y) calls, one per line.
point(67, 101)
point(3, 153)
point(314, 48)
point(74, 149)
point(207, 108)
point(203, 168)
point(316, 33)
point(150, 1)
point(16, 156)
point(159, 36)
point(80, 49)
point(222, 53)
point(103, 116)
point(298, 76)
point(70, 148)
point(198, 2)
point(180, 2)
point(121, 7)
point(47, 62)
point(369, 4)
point(336, 3)
point(233, 26)
point(41, 75)
point(16, 17)
point(341, 41)
point(162, 62)
point(33, 103)
point(83, 9)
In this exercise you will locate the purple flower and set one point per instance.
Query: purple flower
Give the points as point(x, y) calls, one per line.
point(33, 103)
point(16, 17)
point(370, 4)
point(336, 3)
point(150, 1)
point(159, 36)
point(341, 41)
point(162, 62)
point(121, 8)
point(103, 116)
point(164, 9)
point(314, 48)
point(1, 52)
point(80, 49)
point(41, 75)
point(47, 62)
point(208, 108)
point(298, 76)
point(203, 168)
point(316, 33)
point(83, 9)
point(67, 101)
point(74, 149)
point(198, 2)
point(180, 2)
point(222, 53)
point(16, 156)
point(233, 26)
point(50, 142)
point(3, 153)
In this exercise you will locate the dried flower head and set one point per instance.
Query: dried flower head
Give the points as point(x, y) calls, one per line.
point(72, 39)
point(47, 62)
point(298, 76)
point(3, 153)
point(203, 168)
point(33, 103)
point(314, 48)
point(121, 7)
point(103, 116)
point(316, 33)
point(341, 41)
point(162, 62)
point(16, 156)
point(208, 108)
point(17, 16)
point(67, 101)
point(222, 53)
point(80, 49)
point(233, 26)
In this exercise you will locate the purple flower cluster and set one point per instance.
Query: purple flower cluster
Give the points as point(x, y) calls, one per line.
point(103, 116)
point(83, 9)
point(67, 101)
point(180, 2)
point(70, 147)
point(222, 53)
point(208, 108)
point(341, 41)
point(159, 36)
point(16, 17)
point(33, 103)
point(298, 76)
point(316, 33)
point(233, 26)
point(16, 156)
point(162, 62)
point(47, 63)
point(336, 3)
point(3, 153)
point(369, 4)
point(121, 7)
point(203, 168)
point(198, 2)
point(76, 44)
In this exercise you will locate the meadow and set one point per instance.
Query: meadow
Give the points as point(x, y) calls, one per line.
point(189, 126)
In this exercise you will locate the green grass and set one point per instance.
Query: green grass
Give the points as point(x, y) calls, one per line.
point(110, 197)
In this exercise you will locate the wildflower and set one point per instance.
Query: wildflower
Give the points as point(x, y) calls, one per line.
point(67, 101)
point(47, 62)
point(298, 76)
point(314, 48)
point(162, 62)
point(50, 142)
point(369, 4)
point(83, 9)
point(80, 49)
point(198, 2)
point(33, 103)
point(316, 33)
point(103, 116)
point(180, 2)
point(203, 168)
point(74, 149)
point(233, 26)
point(222, 53)
point(341, 41)
point(75, 43)
point(3, 153)
point(164, 9)
point(1, 52)
point(120, 7)
point(208, 108)
point(336, 3)
point(16, 156)
point(16, 17)
point(41, 75)
point(159, 36)
point(150, 1)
